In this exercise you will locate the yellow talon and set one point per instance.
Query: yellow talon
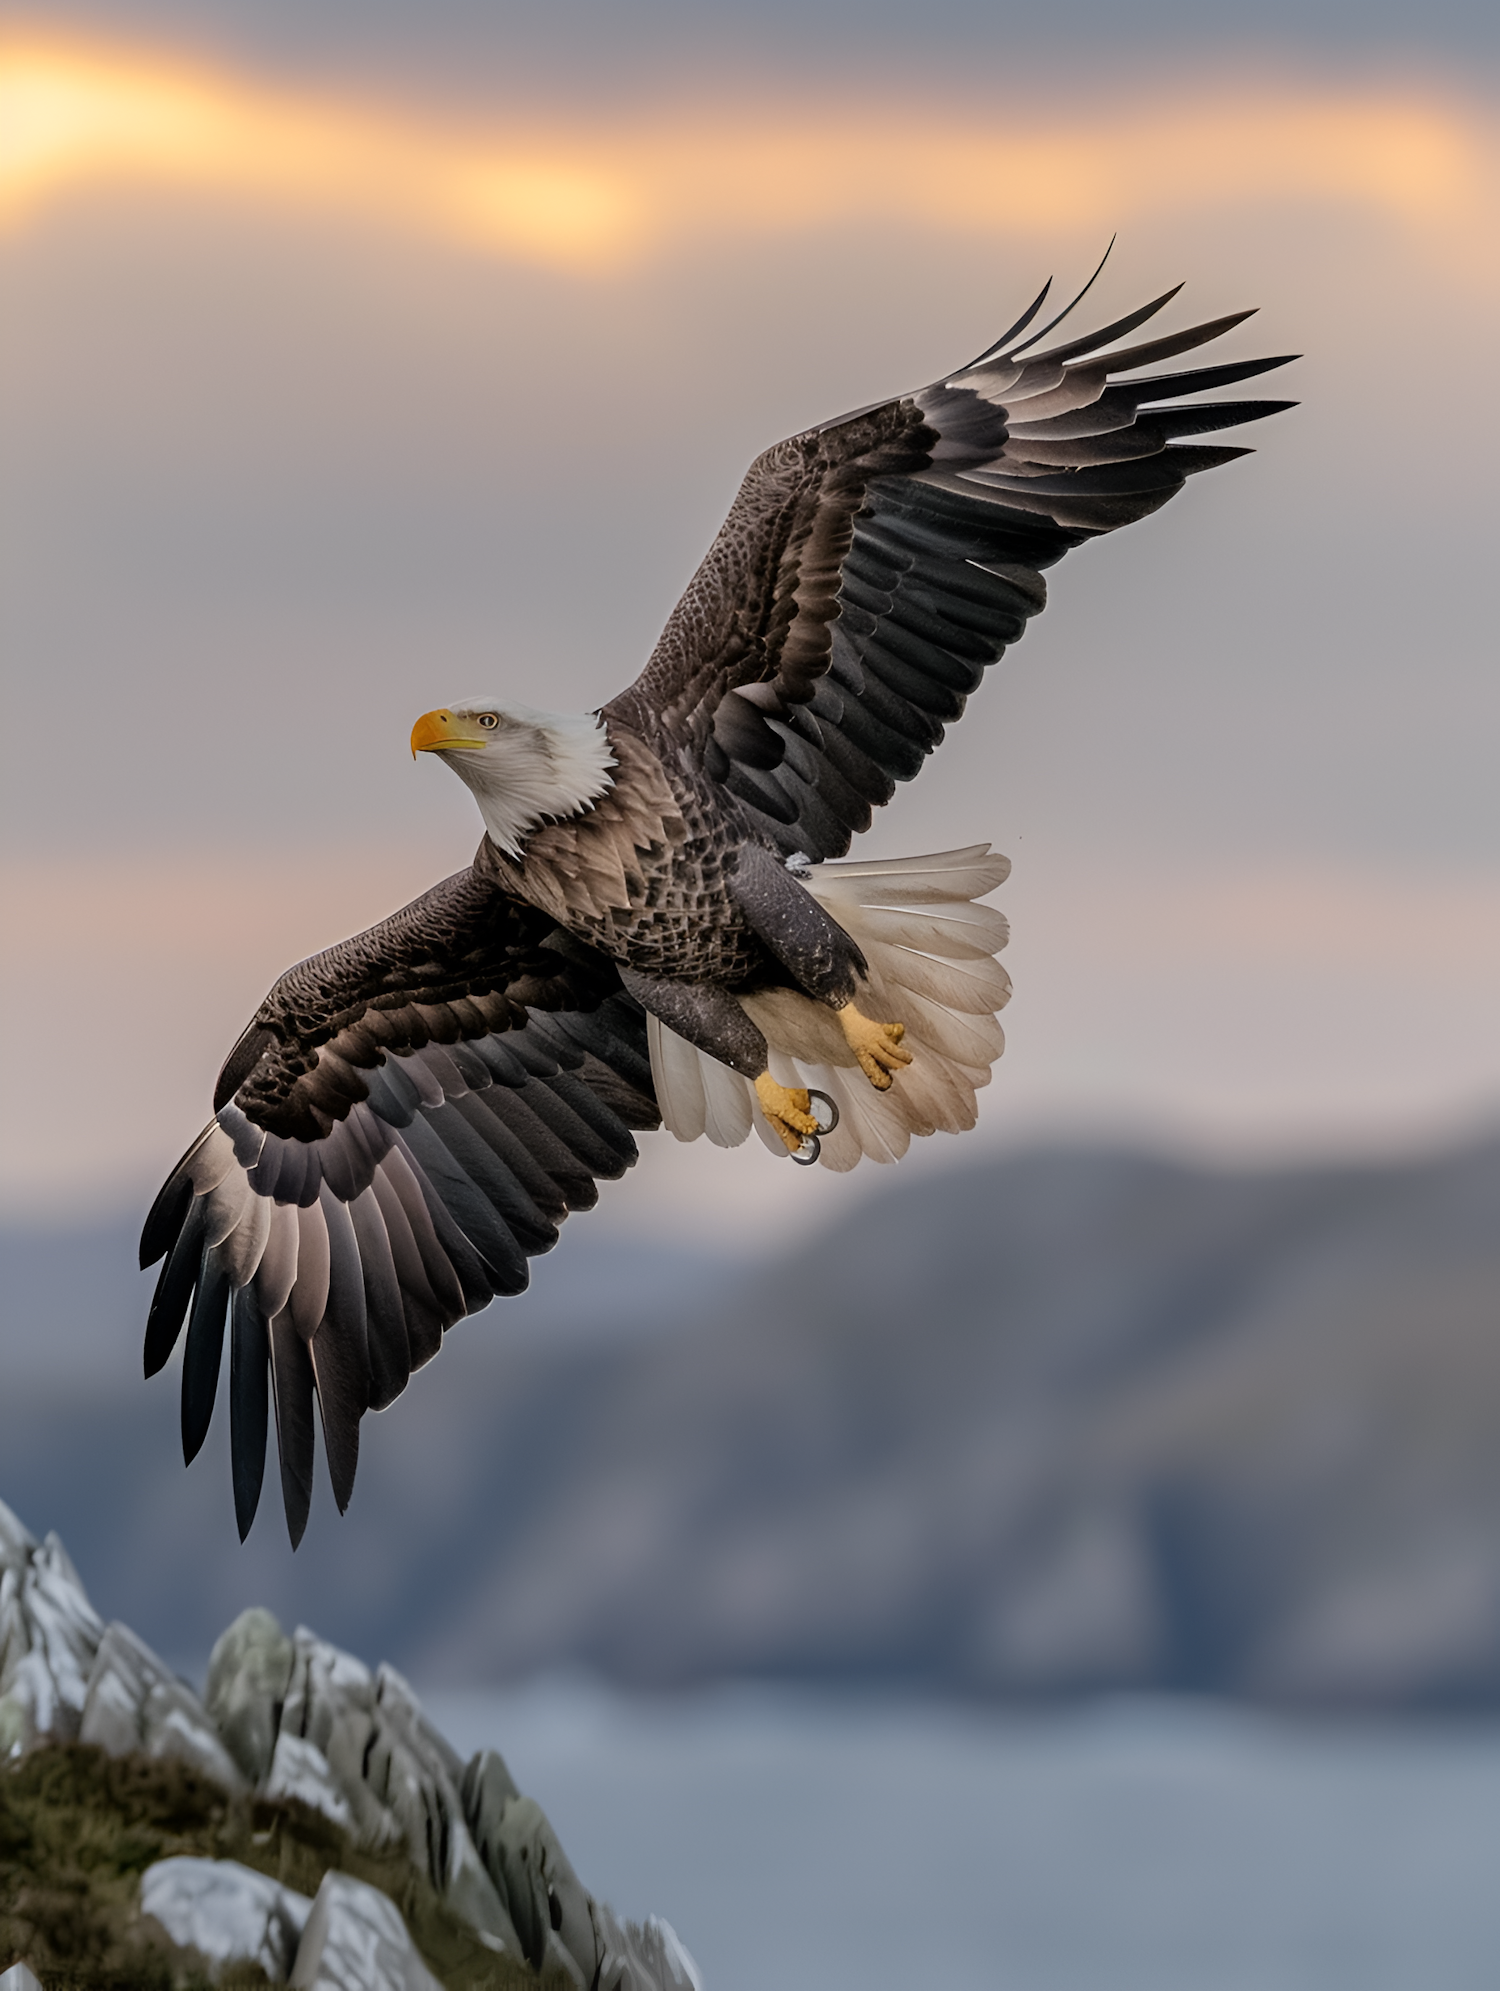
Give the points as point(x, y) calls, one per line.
point(877, 1046)
point(789, 1111)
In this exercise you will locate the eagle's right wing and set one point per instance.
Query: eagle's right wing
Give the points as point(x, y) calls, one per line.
point(407, 1118)
point(870, 569)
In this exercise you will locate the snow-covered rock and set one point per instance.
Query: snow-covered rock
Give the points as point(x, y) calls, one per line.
point(355, 1940)
point(134, 1703)
point(227, 1912)
point(300, 1770)
point(17, 1543)
point(67, 1675)
point(358, 1747)
point(296, 1718)
point(49, 1634)
point(650, 1957)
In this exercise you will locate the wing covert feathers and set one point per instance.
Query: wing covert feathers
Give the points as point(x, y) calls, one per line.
point(871, 569)
point(418, 1111)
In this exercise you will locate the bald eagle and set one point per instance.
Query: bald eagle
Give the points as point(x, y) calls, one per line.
point(656, 929)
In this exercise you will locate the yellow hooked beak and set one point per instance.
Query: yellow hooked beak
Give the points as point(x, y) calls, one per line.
point(436, 730)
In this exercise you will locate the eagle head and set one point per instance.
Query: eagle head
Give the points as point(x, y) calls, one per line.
point(525, 767)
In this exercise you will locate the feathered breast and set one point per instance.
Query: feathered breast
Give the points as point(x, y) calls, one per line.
point(611, 858)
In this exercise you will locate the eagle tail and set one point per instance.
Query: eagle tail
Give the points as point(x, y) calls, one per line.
point(931, 950)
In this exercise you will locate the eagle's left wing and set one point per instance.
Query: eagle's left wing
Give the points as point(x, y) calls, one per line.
point(408, 1118)
point(870, 569)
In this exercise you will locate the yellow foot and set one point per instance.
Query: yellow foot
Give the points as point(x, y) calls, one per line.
point(789, 1112)
point(877, 1046)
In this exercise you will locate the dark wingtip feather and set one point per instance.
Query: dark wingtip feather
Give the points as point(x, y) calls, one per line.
point(165, 1218)
point(1212, 415)
point(174, 1289)
point(1167, 347)
point(249, 1404)
point(1090, 342)
point(169, 1305)
point(296, 1499)
point(386, 1345)
point(1067, 307)
point(1013, 331)
point(1190, 458)
point(203, 1357)
point(343, 1389)
point(292, 1395)
point(1202, 379)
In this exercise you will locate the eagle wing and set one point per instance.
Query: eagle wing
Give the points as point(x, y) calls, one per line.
point(871, 568)
point(408, 1117)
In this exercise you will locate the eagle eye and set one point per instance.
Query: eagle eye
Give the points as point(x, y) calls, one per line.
point(488, 720)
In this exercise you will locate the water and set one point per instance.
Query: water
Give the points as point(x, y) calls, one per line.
point(806, 1844)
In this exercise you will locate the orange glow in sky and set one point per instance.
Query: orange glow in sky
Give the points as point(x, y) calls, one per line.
point(71, 120)
point(76, 119)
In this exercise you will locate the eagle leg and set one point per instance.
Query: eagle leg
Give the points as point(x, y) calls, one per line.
point(877, 1046)
point(789, 1111)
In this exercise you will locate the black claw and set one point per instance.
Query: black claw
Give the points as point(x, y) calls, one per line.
point(824, 1127)
point(809, 1151)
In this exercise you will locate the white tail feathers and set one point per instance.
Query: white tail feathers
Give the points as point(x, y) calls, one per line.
point(931, 952)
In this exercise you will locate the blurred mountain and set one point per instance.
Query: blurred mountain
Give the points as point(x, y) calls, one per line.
point(1056, 1423)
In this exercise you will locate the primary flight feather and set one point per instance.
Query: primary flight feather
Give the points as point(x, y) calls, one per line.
point(655, 930)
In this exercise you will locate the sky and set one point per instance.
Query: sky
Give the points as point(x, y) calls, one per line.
point(355, 358)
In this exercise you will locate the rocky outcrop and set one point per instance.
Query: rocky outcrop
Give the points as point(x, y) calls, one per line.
point(49, 1638)
point(134, 1703)
point(227, 1912)
point(557, 1919)
point(349, 1937)
point(355, 1940)
point(66, 1674)
point(294, 1720)
point(357, 1747)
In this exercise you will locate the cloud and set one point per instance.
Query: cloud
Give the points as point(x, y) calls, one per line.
point(73, 119)
point(592, 195)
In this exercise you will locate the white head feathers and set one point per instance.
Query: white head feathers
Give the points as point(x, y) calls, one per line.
point(525, 767)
